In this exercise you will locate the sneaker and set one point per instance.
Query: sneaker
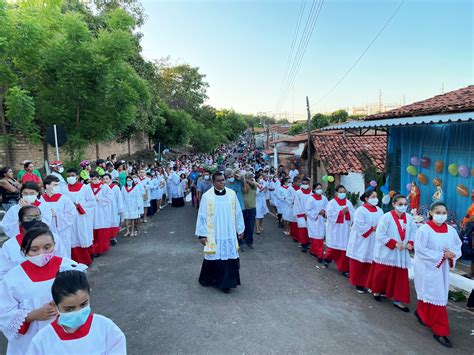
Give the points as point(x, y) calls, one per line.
point(443, 341)
point(401, 307)
point(360, 289)
point(378, 298)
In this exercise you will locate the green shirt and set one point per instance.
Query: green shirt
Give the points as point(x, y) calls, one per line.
point(22, 172)
point(122, 178)
point(100, 170)
point(250, 198)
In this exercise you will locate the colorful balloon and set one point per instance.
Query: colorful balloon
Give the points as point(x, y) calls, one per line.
point(425, 162)
point(331, 178)
point(472, 172)
point(422, 178)
point(392, 193)
point(373, 183)
point(453, 169)
point(462, 190)
point(386, 199)
point(325, 178)
point(463, 171)
point(384, 190)
point(415, 161)
point(411, 170)
point(408, 187)
point(437, 182)
point(439, 166)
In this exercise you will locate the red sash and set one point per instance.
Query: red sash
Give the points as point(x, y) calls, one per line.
point(129, 189)
point(53, 198)
point(317, 197)
point(438, 229)
point(370, 208)
point(96, 188)
point(76, 187)
point(401, 231)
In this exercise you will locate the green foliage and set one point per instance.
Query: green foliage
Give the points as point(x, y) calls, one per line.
point(176, 128)
point(296, 129)
point(20, 111)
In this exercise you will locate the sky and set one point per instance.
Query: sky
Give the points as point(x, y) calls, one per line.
point(243, 48)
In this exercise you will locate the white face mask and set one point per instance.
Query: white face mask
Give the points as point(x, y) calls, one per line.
point(61, 170)
point(206, 177)
point(305, 186)
point(341, 195)
point(29, 199)
point(440, 218)
point(55, 190)
point(71, 180)
point(401, 209)
point(374, 201)
point(319, 191)
point(41, 259)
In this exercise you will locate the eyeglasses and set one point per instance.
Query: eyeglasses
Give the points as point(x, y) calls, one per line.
point(32, 218)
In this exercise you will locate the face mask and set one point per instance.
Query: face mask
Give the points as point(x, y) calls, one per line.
point(71, 180)
point(29, 199)
point(401, 209)
point(41, 259)
point(61, 170)
point(206, 177)
point(319, 191)
point(135, 180)
point(29, 224)
point(305, 186)
point(55, 190)
point(374, 201)
point(129, 182)
point(341, 195)
point(75, 319)
point(440, 218)
point(231, 179)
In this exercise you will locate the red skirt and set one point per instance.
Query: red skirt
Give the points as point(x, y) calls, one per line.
point(81, 255)
point(339, 257)
point(303, 236)
point(102, 239)
point(115, 231)
point(317, 247)
point(389, 280)
point(359, 272)
point(434, 317)
point(294, 230)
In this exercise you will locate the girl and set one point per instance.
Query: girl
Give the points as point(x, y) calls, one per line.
point(261, 204)
point(122, 170)
point(393, 240)
point(362, 240)
point(285, 206)
point(161, 188)
point(132, 200)
point(77, 330)
point(117, 207)
point(103, 229)
point(315, 210)
point(84, 174)
point(437, 248)
point(340, 214)
point(25, 292)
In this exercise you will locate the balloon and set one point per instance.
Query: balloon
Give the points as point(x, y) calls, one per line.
point(462, 190)
point(422, 178)
point(439, 166)
point(384, 190)
point(453, 169)
point(331, 178)
point(386, 199)
point(472, 172)
point(463, 171)
point(373, 183)
point(415, 161)
point(411, 170)
point(437, 182)
point(392, 193)
point(408, 186)
point(370, 188)
point(325, 178)
point(425, 162)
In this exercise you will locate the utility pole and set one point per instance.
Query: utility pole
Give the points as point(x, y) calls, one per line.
point(380, 100)
point(309, 150)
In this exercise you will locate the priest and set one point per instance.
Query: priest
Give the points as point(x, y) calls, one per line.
point(219, 225)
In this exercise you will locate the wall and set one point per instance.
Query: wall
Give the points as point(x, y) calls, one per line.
point(22, 150)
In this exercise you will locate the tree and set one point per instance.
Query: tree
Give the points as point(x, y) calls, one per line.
point(339, 116)
point(296, 129)
point(176, 128)
point(320, 120)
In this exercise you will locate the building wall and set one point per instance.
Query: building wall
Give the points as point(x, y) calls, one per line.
point(22, 149)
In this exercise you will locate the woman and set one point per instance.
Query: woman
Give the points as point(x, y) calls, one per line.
point(132, 199)
point(437, 248)
point(362, 240)
point(261, 204)
point(9, 188)
point(394, 239)
point(122, 171)
point(77, 329)
point(282, 206)
point(315, 210)
point(340, 214)
point(25, 292)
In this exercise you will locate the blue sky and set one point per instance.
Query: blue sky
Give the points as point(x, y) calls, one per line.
point(243, 46)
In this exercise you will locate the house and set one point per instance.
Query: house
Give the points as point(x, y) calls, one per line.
point(288, 150)
point(429, 141)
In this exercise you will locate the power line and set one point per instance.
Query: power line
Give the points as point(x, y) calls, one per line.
point(363, 53)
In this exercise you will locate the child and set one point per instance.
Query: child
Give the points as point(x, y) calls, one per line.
point(77, 330)
point(132, 202)
point(102, 215)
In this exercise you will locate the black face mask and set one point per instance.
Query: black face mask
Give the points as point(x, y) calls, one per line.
point(28, 225)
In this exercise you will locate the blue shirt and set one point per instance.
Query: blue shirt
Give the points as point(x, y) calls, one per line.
point(236, 186)
point(204, 185)
point(194, 176)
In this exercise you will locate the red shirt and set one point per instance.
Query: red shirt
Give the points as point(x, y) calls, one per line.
point(30, 177)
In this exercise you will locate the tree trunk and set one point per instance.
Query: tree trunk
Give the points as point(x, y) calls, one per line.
point(128, 143)
point(3, 123)
point(97, 151)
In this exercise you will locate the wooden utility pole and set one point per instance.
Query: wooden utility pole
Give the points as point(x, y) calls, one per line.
point(308, 128)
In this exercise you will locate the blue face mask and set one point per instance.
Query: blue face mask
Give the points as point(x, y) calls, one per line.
point(74, 320)
point(231, 179)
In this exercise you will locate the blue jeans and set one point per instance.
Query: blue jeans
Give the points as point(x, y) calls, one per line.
point(249, 220)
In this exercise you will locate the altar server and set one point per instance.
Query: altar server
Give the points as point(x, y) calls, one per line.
point(340, 215)
point(437, 248)
point(360, 248)
point(102, 215)
point(25, 293)
point(261, 204)
point(315, 210)
point(290, 200)
point(394, 239)
point(301, 197)
point(117, 207)
point(83, 228)
point(132, 204)
point(77, 330)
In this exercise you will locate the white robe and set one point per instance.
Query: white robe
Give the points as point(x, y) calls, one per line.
point(64, 220)
point(290, 199)
point(299, 207)
point(103, 211)
point(362, 238)
point(117, 206)
point(337, 234)
point(261, 202)
point(281, 204)
point(226, 226)
point(176, 188)
point(103, 337)
point(146, 186)
point(386, 230)
point(431, 269)
point(82, 229)
point(315, 221)
point(11, 225)
point(131, 202)
point(19, 295)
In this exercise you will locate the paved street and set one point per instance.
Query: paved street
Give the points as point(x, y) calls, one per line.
point(148, 286)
